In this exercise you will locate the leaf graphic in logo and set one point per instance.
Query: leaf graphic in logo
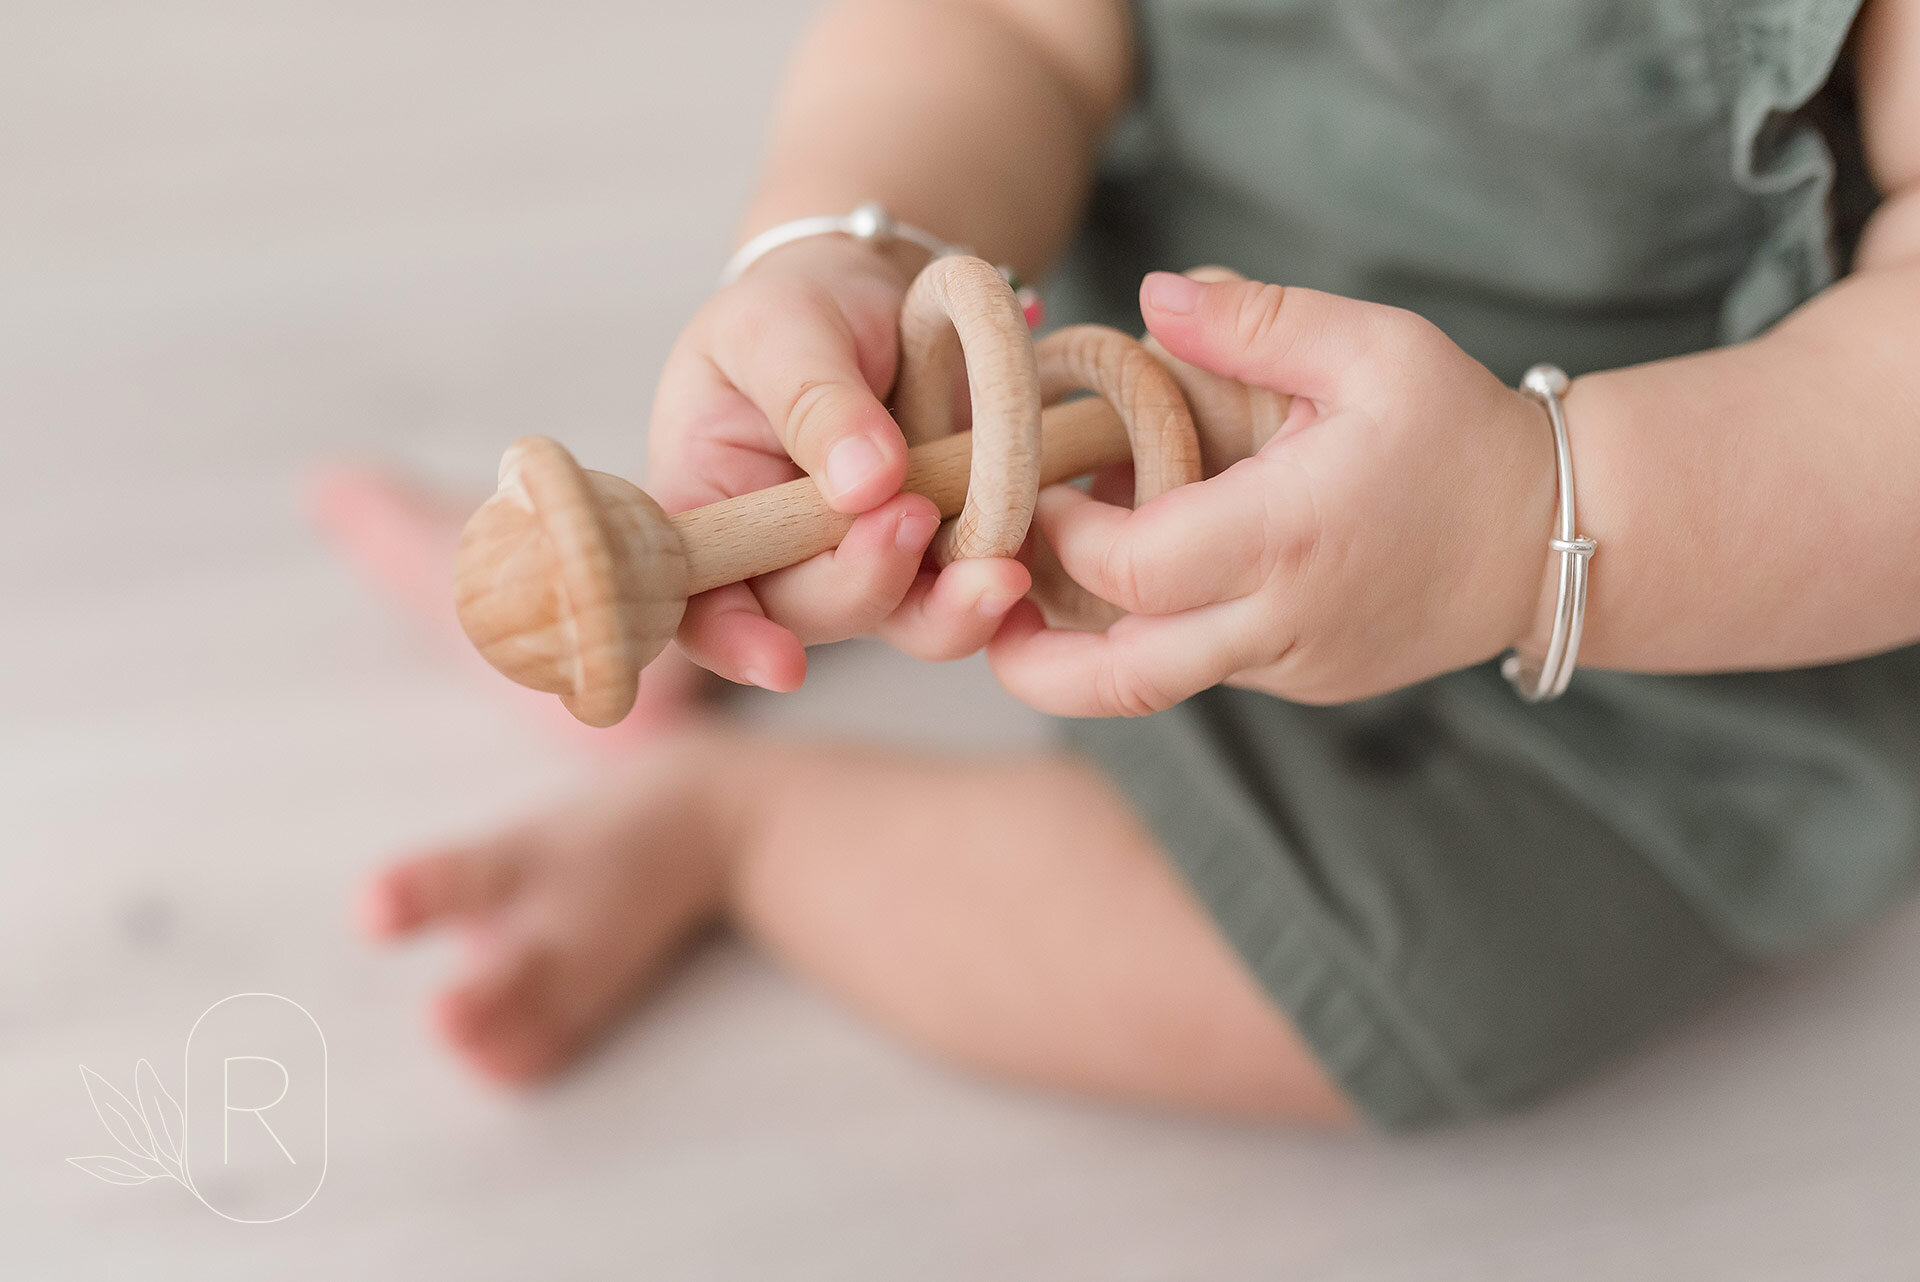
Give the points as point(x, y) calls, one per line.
point(118, 1115)
point(152, 1132)
point(166, 1124)
point(114, 1170)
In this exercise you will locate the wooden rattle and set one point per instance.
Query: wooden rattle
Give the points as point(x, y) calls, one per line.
point(571, 581)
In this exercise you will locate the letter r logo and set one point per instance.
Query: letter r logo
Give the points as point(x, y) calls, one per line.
point(256, 1107)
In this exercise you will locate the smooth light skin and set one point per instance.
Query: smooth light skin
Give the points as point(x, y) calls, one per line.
point(1042, 938)
point(1754, 504)
point(1757, 506)
point(989, 144)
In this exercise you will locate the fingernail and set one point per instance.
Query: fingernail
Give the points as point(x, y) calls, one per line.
point(994, 604)
point(850, 464)
point(915, 531)
point(755, 677)
point(1171, 293)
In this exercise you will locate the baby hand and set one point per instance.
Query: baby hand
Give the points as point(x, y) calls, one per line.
point(781, 375)
point(1393, 529)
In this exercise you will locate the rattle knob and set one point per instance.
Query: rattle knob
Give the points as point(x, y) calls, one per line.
point(570, 581)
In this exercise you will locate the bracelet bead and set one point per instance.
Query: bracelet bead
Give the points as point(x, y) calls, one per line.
point(870, 221)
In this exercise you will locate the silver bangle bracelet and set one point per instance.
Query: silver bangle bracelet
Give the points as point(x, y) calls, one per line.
point(870, 222)
point(1549, 677)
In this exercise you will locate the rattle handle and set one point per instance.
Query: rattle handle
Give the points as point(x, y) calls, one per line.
point(770, 529)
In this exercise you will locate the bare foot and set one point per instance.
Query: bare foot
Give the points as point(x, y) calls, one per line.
point(566, 918)
point(402, 539)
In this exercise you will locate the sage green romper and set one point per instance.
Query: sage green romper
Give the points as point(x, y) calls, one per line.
point(1461, 900)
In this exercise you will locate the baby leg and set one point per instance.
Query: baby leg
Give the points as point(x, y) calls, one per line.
point(1010, 915)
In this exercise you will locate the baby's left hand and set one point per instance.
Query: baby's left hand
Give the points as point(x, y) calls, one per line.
point(1395, 528)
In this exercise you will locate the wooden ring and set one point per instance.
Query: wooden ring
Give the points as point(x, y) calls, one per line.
point(960, 306)
point(1166, 447)
point(1094, 358)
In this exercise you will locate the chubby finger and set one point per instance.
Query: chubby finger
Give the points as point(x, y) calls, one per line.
point(952, 614)
point(797, 361)
point(849, 591)
point(1286, 338)
point(1171, 554)
point(1138, 666)
point(726, 632)
point(1233, 419)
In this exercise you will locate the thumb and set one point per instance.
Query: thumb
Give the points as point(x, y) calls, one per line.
point(1284, 338)
point(801, 368)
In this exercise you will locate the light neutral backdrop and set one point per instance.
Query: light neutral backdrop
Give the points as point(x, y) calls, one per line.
point(236, 239)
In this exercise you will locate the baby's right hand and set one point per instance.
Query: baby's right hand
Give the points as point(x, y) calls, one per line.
point(781, 374)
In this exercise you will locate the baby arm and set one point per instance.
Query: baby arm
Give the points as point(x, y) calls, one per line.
point(975, 119)
point(1755, 507)
point(1759, 506)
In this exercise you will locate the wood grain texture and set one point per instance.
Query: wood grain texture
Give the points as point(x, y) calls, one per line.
point(962, 306)
point(753, 534)
point(569, 581)
point(1094, 358)
point(1160, 430)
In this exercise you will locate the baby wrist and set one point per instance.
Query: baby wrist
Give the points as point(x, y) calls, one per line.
point(872, 225)
point(837, 260)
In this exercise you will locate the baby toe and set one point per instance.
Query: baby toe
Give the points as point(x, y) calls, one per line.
point(502, 1019)
point(398, 535)
point(415, 892)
